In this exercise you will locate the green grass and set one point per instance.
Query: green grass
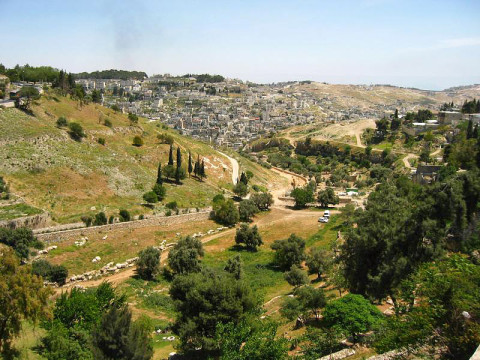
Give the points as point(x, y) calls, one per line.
point(10, 212)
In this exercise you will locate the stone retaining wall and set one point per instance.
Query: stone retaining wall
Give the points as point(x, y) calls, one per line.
point(31, 222)
point(59, 236)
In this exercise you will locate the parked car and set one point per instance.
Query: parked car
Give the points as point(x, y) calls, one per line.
point(326, 213)
point(323, 219)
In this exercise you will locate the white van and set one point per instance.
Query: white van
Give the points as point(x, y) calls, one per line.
point(326, 213)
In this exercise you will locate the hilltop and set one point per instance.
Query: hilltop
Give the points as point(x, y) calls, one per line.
point(49, 170)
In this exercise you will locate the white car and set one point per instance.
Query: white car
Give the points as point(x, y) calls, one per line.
point(323, 219)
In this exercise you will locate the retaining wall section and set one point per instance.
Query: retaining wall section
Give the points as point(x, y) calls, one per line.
point(31, 222)
point(59, 236)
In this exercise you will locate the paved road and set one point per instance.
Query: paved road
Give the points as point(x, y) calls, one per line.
point(235, 168)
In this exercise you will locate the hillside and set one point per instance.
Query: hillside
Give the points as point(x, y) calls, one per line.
point(336, 97)
point(69, 179)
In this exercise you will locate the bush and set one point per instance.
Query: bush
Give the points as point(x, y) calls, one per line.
point(124, 215)
point(289, 252)
point(108, 123)
point(296, 276)
point(172, 205)
point(101, 141)
point(160, 191)
point(50, 272)
point(133, 118)
point(100, 219)
point(150, 197)
point(241, 189)
point(247, 209)
point(87, 220)
point(62, 121)
point(111, 219)
point(137, 141)
point(226, 212)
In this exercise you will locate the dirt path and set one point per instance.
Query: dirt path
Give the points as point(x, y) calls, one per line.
point(235, 168)
point(406, 162)
point(359, 141)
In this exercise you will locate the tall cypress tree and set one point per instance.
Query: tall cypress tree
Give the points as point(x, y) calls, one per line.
point(475, 132)
point(179, 157)
point(190, 167)
point(170, 155)
point(470, 129)
point(159, 174)
point(202, 170)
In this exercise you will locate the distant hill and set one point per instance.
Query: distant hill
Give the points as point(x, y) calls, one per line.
point(112, 74)
point(51, 171)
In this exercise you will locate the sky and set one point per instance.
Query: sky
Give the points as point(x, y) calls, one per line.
point(427, 44)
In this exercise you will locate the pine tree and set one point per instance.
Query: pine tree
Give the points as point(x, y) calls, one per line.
point(243, 178)
point(475, 132)
point(179, 157)
point(170, 156)
point(159, 174)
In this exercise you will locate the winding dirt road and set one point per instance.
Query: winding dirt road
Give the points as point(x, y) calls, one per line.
point(235, 167)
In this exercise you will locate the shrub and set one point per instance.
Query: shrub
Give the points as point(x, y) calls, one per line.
point(100, 219)
point(124, 215)
point(248, 236)
point(171, 205)
point(76, 131)
point(87, 220)
point(108, 123)
point(62, 121)
point(160, 191)
point(150, 197)
point(111, 219)
point(101, 141)
point(50, 272)
point(296, 276)
point(137, 141)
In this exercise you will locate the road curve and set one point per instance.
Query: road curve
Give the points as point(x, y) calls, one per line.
point(235, 167)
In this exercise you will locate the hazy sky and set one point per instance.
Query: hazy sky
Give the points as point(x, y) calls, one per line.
point(427, 44)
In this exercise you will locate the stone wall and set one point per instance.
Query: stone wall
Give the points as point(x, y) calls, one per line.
point(31, 222)
point(60, 236)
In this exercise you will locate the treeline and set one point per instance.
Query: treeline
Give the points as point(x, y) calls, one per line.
point(471, 107)
point(206, 78)
point(30, 73)
point(112, 74)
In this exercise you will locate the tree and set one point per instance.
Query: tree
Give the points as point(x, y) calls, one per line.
point(470, 129)
point(100, 219)
point(392, 238)
point(76, 131)
point(248, 236)
point(169, 171)
point(117, 337)
point(318, 261)
point(234, 266)
point(150, 197)
point(307, 301)
point(320, 342)
point(296, 276)
point(159, 174)
point(302, 196)
point(20, 240)
point(137, 141)
point(240, 189)
point(247, 209)
point(226, 212)
point(26, 96)
point(124, 215)
point(160, 191)
point(351, 315)
point(327, 196)
point(170, 155)
point(54, 273)
point(148, 263)
point(179, 157)
point(262, 200)
point(133, 119)
point(289, 252)
point(203, 301)
point(185, 256)
point(243, 178)
point(202, 170)
point(190, 167)
point(179, 174)
point(251, 340)
point(22, 297)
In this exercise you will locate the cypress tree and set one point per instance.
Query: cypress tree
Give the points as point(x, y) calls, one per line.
point(190, 167)
point(179, 157)
point(243, 178)
point(159, 174)
point(170, 155)
point(470, 129)
point(202, 170)
point(475, 132)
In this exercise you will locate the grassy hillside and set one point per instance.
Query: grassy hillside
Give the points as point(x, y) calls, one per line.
point(69, 179)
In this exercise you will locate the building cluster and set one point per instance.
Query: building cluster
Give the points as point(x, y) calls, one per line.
point(227, 113)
